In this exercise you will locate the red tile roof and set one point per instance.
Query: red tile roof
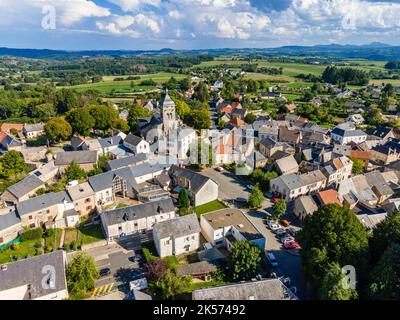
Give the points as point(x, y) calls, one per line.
point(329, 197)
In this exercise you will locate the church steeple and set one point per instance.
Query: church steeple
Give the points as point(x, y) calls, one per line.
point(168, 111)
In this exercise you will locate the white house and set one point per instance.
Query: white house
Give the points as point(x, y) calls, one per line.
point(292, 186)
point(136, 144)
point(125, 222)
point(337, 170)
point(177, 236)
point(356, 118)
point(224, 227)
point(343, 136)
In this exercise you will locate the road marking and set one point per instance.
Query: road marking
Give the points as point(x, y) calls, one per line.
point(103, 290)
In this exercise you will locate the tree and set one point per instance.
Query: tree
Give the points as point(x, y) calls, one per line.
point(170, 285)
point(358, 165)
point(279, 207)
point(245, 260)
point(332, 285)
point(250, 118)
point(104, 117)
point(156, 269)
point(184, 200)
point(74, 172)
point(262, 178)
point(121, 125)
point(12, 162)
point(385, 233)
point(199, 119)
point(182, 108)
point(333, 234)
point(43, 111)
point(136, 112)
point(81, 120)
point(66, 100)
point(57, 129)
point(386, 275)
point(256, 197)
point(81, 275)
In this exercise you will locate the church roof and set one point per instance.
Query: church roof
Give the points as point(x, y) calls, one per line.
point(167, 102)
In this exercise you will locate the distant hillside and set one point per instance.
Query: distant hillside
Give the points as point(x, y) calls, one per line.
point(373, 51)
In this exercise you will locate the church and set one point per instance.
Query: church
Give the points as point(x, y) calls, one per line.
point(166, 129)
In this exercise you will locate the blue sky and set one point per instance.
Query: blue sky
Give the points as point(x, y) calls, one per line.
point(192, 24)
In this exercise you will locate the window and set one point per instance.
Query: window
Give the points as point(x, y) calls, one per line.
point(32, 225)
point(88, 208)
point(48, 211)
point(30, 217)
point(87, 200)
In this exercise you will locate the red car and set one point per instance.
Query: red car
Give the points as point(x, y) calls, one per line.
point(276, 200)
point(291, 245)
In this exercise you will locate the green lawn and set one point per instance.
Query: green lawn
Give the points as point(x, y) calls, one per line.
point(209, 207)
point(25, 249)
point(53, 242)
point(90, 234)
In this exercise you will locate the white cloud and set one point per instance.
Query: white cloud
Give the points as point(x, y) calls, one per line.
point(132, 5)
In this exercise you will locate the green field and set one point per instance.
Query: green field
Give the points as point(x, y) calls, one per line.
point(125, 86)
point(209, 207)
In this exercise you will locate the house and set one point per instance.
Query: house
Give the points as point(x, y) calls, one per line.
point(292, 186)
point(130, 161)
point(370, 221)
point(287, 165)
point(123, 115)
point(224, 227)
point(83, 197)
point(337, 169)
point(237, 122)
point(304, 206)
point(269, 146)
point(177, 236)
point(356, 189)
point(34, 154)
point(46, 210)
point(329, 196)
point(46, 172)
point(37, 278)
point(23, 189)
point(85, 159)
point(357, 118)
point(201, 189)
point(125, 182)
point(292, 136)
point(33, 130)
point(381, 133)
point(11, 128)
point(133, 220)
point(343, 136)
point(111, 143)
point(384, 154)
point(136, 144)
point(218, 85)
point(269, 289)
point(9, 142)
point(239, 113)
point(10, 225)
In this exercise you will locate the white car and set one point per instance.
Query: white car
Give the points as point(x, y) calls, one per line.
point(272, 260)
point(250, 187)
point(274, 226)
point(220, 169)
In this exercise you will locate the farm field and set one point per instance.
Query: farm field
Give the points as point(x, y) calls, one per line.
point(125, 86)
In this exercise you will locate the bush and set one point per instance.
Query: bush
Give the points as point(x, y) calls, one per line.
point(15, 246)
point(32, 234)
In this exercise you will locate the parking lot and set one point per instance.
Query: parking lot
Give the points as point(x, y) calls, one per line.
point(289, 262)
point(118, 258)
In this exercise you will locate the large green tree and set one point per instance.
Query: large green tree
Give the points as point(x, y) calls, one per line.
point(74, 172)
point(385, 282)
point(57, 129)
point(81, 275)
point(199, 119)
point(333, 234)
point(170, 285)
point(81, 121)
point(104, 116)
point(334, 285)
point(12, 162)
point(136, 112)
point(184, 200)
point(256, 198)
point(279, 207)
point(245, 260)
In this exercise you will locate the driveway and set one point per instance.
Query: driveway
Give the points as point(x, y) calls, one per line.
point(116, 256)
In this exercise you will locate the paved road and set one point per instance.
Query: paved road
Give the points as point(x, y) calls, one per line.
point(231, 187)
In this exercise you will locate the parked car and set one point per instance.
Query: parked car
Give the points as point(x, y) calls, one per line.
point(285, 237)
point(275, 227)
point(285, 223)
point(105, 272)
point(280, 231)
point(272, 260)
point(291, 245)
point(250, 187)
point(220, 169)
point(293, 232)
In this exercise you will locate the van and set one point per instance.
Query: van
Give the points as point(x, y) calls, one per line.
point(207, 246)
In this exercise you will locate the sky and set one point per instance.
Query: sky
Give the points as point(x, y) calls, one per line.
point(195, 24)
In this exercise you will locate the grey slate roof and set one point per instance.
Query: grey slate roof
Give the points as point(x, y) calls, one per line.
point(348, 133)
point(127, 161)
point(80, 157)
point(197, 181)
point(379, 131)
point(132, 139)
point(140, 211)
point(25, 186)
point(42, 202)
point(34, 127)
point(270, 289)
point(110, 142)
point(29, 271)
point(178, 227)
point(8, 220)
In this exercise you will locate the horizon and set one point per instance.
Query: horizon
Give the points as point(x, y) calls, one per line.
point(90, 25)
